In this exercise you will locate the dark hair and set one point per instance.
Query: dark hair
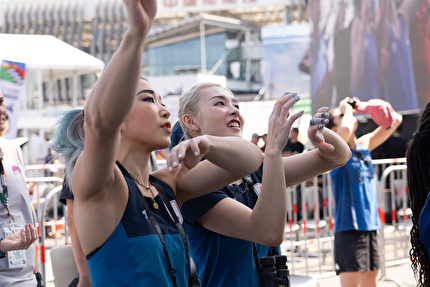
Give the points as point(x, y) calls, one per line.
point(418, 177)
point(330, 123)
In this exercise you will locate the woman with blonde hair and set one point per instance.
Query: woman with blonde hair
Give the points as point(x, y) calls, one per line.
point(229, 230)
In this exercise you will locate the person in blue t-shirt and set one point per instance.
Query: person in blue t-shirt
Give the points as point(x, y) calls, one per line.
point(223, 225)
point(418, 175)
point(127, 219)
point(355, 195)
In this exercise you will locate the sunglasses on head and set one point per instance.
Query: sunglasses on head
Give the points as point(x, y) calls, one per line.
point(360, 157)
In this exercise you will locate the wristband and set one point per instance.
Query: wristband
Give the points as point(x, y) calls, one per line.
point(2, 255)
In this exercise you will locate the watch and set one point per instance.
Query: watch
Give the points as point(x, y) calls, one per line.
point(2, 255)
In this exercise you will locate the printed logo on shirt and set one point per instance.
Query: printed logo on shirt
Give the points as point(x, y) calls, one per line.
point(16, 170)
point(257, 188)
point(145, 214)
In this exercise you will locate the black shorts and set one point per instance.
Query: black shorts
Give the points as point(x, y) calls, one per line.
point(356, 251)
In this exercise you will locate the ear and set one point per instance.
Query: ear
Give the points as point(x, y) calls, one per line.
point(190, 123)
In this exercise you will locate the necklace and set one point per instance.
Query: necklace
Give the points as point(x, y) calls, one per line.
point(245, 189)
point(147, 187)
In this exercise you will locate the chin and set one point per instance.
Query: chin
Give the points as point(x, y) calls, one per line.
point(165, 144)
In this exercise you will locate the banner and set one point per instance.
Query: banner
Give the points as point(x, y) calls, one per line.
point(370, 49)
point(12, 76)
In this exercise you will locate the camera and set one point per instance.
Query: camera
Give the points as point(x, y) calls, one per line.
point(274, 271)
point(352, 102)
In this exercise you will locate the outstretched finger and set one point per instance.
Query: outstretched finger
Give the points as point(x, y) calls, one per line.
point(294, 117)
point(172, 160)
point(284, 104)
point(194, 147)
point(282, 111)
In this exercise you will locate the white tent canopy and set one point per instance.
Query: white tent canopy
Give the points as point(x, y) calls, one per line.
point(46, 59)
point(53, 57)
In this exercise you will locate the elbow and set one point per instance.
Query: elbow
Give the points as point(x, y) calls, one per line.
point(398, 119)
point(273, 236)
point(345, 157)
point(274, 240)
point(254, 162)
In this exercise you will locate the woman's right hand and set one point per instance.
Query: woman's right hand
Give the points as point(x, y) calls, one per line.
point(140, 15)
point(188, 153)
point(281, 121)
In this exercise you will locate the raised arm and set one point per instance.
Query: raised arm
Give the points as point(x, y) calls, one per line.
point(381, 114)
point(265, 223)
point(227, 159)
point(331, 152)
point(110, 102)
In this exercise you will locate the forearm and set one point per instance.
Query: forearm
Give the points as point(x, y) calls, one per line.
point(270, 212)
point(114, 93)
point(347, 124)
point(81, 262)
point(234, 154)
point(78, 253)
point(341, 153)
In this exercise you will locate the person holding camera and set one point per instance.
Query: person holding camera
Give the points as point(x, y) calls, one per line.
point(232, 228)
point(354, 188)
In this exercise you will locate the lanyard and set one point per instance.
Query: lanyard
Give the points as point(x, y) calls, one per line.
point(157, 227)
point(4, 197)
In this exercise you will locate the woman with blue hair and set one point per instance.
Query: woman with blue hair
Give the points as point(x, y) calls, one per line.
point(128, 219)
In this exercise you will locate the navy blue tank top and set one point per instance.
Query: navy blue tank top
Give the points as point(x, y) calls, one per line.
point(133, 254)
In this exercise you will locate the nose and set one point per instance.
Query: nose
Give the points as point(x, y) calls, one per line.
point(165, 113)
point(235, 111)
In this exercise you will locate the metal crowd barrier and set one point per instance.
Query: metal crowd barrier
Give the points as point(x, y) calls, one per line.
point(309, 233)
point(52, 186)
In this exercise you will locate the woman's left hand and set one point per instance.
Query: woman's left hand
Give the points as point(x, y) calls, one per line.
point(186, 155)
point(316, 127)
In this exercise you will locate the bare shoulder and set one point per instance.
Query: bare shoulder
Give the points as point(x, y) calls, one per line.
point(165, 175)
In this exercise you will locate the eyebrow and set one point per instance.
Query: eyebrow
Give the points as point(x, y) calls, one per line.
point(146, 92)
point(225, 98)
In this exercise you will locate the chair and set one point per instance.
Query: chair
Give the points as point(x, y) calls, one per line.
point(63, 265)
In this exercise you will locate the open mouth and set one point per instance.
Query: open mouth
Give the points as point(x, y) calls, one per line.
point(233, 124)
